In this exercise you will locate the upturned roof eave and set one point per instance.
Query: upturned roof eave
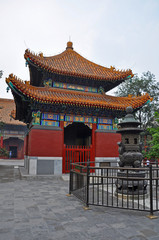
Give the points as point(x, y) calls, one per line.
point(114, 81)
point(85, 68)
point(55, 96)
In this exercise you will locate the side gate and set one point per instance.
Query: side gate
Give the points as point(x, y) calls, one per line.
point(74, 154)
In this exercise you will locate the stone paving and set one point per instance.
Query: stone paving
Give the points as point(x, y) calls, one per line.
point(38, 209)
point(12, 162)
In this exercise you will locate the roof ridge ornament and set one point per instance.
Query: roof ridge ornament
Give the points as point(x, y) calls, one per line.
point(41, 55)
point(69, 45)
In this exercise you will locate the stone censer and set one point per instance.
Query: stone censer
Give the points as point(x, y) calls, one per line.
point(130, 179)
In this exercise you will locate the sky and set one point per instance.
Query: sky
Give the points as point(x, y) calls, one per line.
point(119, 33)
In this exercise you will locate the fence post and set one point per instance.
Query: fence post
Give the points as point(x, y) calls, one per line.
point(70, 189)
point(87, 188)
point(70, 181)
point(151, 191)
point(157, 173)
point(151, 216)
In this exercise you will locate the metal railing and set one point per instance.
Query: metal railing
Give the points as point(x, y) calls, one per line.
point(116, 187)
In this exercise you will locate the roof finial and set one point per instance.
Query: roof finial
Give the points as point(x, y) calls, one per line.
point(69, 44)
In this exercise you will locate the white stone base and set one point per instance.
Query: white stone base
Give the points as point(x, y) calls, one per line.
point(43, 165)
point(113, 161)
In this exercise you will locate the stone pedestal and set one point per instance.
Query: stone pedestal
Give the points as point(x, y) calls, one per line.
point(131, 183)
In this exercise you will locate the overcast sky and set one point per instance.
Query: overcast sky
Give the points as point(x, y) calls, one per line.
point(121, 33)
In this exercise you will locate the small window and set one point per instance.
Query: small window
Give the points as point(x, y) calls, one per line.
point(126, 141)
point(135, 140)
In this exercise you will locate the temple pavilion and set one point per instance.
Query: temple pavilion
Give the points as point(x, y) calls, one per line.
point(68, 113)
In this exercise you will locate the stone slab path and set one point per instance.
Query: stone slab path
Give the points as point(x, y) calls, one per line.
point(38, 209)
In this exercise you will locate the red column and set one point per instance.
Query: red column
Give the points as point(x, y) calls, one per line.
point(26, 145)
point(62, 124)
point(1, 142)
point(62, 127)
point(94, 127)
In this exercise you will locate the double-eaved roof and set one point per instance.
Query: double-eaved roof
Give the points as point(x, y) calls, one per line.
point(71, 68)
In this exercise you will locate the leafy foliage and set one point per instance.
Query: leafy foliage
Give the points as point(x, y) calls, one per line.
point(138, 86)
point(2, 125)
point(4, 152)
point(154, 143)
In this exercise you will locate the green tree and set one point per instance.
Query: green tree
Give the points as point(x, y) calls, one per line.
point(138, 86)
point(4, 152)
point(153, 152)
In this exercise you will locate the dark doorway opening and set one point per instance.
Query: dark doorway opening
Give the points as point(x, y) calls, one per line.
point(77, 134)
point(13, 151)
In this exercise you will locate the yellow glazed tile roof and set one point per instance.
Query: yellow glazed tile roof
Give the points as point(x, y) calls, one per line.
point(51, 95)
point(7, 112)
point(71, 63)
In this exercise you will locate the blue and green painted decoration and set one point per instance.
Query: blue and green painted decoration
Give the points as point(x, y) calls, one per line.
point(69, 86)
point(51, 119)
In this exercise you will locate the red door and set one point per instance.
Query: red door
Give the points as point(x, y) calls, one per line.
point(75, 154)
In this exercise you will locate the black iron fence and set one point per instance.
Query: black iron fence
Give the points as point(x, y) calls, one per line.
point(115, 187)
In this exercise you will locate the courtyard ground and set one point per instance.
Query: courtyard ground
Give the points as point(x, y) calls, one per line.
point(38, 209)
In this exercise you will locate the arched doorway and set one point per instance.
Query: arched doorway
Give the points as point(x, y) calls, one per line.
point(15, 146)
point(77, 145)
point(77, 134)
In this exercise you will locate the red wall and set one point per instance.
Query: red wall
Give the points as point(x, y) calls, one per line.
point(48, 143)
point(106, 144)
point(26, 139)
